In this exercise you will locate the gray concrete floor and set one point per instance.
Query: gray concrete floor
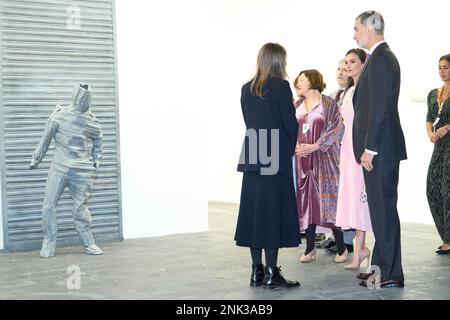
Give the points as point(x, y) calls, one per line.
point(209, 266)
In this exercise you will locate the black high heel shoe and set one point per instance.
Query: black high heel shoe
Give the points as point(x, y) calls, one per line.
point(257, 276)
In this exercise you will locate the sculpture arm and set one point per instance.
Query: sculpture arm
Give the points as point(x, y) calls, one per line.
point(44, 143)
point(97, 150)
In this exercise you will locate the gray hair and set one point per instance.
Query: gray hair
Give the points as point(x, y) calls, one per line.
point(372, 19)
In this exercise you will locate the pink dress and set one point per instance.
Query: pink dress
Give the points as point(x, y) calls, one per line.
point(352, 206)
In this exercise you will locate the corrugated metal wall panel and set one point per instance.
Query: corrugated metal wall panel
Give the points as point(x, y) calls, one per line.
point(41, 60)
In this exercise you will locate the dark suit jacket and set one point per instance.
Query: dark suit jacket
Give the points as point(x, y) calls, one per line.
point(274, 111)
point(376, 125)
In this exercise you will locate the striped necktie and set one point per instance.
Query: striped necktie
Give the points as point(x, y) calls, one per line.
point(338, 95)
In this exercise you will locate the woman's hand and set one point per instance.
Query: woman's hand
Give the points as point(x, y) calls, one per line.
point(303, 150)
point(441, 132)
point(297, 148)
point(433, 137)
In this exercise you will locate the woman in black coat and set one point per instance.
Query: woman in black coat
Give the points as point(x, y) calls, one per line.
point(268, 212)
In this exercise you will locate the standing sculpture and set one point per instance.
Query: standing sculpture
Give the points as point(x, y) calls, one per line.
point(73, 166)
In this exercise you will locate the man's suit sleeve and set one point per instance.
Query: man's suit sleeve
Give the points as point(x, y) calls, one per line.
point(287, 111)
point(381, 85)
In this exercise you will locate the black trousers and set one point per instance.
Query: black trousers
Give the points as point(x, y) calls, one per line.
point(381, 186)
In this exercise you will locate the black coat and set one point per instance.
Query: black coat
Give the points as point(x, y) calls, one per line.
point(376, 125)
point(274, 111)
point(268, 215)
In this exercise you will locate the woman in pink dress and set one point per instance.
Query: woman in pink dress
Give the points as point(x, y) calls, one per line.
point(352, 206)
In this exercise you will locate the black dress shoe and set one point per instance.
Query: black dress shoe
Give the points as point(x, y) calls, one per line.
point(331, 250)
point(334, 249)
point(364, 275)
point(391, 283)
point(274, 279)
point(326, 244)
point(257, 276)
point(440, 251)
point(384, 283)
point(319, 237)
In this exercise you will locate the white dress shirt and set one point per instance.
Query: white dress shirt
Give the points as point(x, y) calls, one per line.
point(372, 49)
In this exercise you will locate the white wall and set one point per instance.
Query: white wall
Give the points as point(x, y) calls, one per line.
point(316, 34)
point(163, 175)
point(181, 67)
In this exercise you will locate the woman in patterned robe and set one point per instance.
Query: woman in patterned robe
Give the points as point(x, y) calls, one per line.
point(317, 162)
point(438, 178)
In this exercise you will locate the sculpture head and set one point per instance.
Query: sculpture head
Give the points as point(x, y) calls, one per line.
point(81, 98)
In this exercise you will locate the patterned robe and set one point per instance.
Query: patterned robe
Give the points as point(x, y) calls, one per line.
point(317, 175)
point(438, 177)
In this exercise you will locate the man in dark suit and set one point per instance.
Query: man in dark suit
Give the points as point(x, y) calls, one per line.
point(379, 145)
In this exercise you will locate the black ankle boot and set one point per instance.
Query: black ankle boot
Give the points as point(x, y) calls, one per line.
point(273, 278)
point(257, 277)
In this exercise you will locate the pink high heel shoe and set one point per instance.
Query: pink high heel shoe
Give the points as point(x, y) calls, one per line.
point(355, 265)
point(309, 257)
point(342, 258)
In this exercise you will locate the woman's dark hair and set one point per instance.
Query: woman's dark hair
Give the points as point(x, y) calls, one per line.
point(446, 57)
point(362, 55)
point(271, 63)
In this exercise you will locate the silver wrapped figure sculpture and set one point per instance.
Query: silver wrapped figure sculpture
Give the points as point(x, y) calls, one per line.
point(72, 166)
